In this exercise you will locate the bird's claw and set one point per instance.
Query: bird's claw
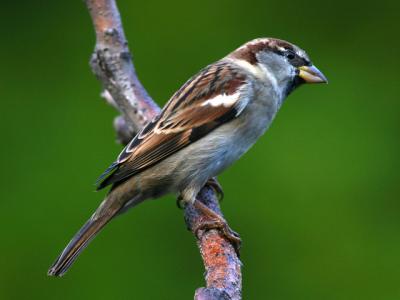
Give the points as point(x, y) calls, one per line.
point(214, 184)
point(221, 225)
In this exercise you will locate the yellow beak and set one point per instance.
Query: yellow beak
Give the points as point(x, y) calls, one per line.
point(310, 74)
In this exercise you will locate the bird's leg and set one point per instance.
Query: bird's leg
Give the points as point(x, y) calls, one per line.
point(214, 184)
point(212, 220)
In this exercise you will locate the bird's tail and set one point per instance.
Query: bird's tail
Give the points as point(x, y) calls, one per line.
point(109, 208)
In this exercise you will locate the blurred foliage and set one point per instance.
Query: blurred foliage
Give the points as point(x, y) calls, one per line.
point(316, 200)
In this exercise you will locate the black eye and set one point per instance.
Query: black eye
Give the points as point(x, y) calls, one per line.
point(290, 55)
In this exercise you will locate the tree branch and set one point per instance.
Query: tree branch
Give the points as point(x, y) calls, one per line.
point(112, 64)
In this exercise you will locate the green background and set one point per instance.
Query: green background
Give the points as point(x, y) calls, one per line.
point(316, 201)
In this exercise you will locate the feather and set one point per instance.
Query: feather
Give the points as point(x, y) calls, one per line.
point(101, 181)
point(208, 100)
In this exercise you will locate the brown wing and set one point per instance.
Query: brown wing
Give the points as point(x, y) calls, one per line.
point(208, 100)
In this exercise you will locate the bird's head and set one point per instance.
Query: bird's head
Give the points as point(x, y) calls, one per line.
point(279, 61)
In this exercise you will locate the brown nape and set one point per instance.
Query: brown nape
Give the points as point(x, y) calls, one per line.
point(248, 51)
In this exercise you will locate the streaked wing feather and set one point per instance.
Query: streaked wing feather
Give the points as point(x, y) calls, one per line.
point(192, 112)
point(169, 145)
point(101, 181)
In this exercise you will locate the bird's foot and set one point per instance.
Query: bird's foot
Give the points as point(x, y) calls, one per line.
point(211, 220)
point(214, 184)
point(221, 225)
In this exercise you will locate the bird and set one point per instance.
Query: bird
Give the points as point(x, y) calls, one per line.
point(208, 124)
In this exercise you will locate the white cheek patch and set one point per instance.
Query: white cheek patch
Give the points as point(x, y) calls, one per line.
point(222, 100)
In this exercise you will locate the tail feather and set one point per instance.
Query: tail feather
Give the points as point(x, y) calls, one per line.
point(101, 217)
point(75, 247)
point(119, 199)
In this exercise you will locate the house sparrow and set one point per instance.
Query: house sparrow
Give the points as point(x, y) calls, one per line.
point(211, 121)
